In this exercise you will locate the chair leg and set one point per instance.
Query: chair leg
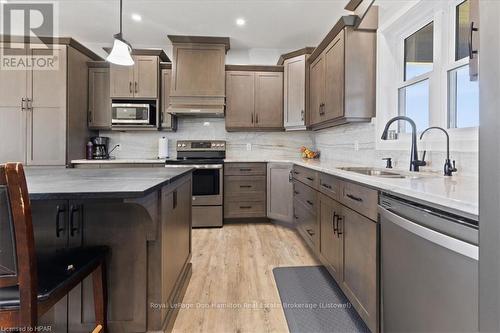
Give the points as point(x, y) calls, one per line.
point(100, 296)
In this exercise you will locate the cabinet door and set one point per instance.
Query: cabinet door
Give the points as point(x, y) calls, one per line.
point(121, 80)
point(99, 99)
point(46, 139)
point(268, 100)
point(360, 264)
point(294, 91)
point(307, 224)
point(317, 90)
point(198, 70)
point(334, 78)
point(331, 245)
point(240, 100)
point(280, 192)
point(146, 77)
point(167, 120)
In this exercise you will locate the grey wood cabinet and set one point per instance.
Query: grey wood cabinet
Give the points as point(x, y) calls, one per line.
point(295, 92)
point(280, 192)
point(44, 122)
point(168, 122)
point(254, 99)
point(342, 76)
point(244, 190)
point(99, 116)
point(137, 81)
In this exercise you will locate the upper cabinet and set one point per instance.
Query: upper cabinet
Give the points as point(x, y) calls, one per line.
point(254, 98)
point(198, 74)
point(99, 106)
point(168, 122)
point(140, 80)
point(295, 88)
point(342, 74)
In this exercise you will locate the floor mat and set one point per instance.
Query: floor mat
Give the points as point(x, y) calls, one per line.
point(313, 302)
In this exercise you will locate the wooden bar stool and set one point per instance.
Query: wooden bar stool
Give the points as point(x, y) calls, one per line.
point(31, 284)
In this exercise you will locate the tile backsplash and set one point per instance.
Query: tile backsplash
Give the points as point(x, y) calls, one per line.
point(354, 143)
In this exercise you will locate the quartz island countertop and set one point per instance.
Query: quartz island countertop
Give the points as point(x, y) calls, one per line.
point(60, 183)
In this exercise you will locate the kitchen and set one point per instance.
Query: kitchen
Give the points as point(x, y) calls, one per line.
point(218, 169)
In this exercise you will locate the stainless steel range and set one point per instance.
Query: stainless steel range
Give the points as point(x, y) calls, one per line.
point(207, 157)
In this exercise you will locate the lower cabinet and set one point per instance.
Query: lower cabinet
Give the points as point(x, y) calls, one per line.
point(280, 192)
point(345, 240)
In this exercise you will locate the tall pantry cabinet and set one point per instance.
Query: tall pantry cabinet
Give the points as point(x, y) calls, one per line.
point(43, 110)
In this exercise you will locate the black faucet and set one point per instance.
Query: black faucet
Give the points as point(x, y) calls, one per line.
point(415, 163)
point(449, 169)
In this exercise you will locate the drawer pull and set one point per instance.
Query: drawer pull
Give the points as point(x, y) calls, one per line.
point(310, 202)
point(295, 217)
point(296, 172)
point(245, 186)
point(295, 192)
point(339, 231)
point(352, 197)
point(310, 178)
point(245, 207)
point(310, 232)
point(334, 223)
point(327, 186)
point(245, 169)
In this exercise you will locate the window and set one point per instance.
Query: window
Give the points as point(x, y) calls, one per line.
point(419, 52)
point(418, 66)
point(462, 30)
point(463, 94)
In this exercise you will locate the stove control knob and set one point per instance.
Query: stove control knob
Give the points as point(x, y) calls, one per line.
point(222, 145)
point(178, 145)
point(184, 145)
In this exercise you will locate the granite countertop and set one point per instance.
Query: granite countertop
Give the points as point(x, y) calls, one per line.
point(457, 194)
point(122, 161)
point(67, 184)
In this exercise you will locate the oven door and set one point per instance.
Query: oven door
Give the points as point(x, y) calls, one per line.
point(208, 185)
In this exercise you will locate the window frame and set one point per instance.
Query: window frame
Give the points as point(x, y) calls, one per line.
point(390, 79)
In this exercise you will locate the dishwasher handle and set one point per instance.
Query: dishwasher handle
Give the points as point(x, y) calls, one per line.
point(450, 243)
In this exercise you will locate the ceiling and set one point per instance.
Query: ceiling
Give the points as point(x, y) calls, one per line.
point(284, 25)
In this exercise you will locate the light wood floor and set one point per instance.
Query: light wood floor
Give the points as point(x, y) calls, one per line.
point(232, 288)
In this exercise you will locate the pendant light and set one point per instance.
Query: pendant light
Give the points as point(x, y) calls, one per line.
point(121, 52)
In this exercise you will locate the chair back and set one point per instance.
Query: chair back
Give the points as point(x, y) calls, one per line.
point(17, 245)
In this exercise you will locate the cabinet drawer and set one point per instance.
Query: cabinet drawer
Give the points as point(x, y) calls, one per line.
point(307, 224)
point(361, 199)
point(330, 186)
point(244, 184)
point(306, 195)
point(239, 209)
point(245, 169)
point(306, 176)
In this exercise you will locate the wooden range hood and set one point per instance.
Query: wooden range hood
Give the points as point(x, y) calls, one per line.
point(198, 75)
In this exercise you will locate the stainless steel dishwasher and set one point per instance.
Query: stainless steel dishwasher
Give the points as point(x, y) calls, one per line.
point(429, 269)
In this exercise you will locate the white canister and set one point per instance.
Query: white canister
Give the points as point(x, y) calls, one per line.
point(162, 147)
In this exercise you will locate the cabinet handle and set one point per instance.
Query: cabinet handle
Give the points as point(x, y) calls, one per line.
point(302, 115)
point(295, 192)
point(310, 178)
point(29, 104)
point(334, 223)
point(245, 169)
point(471, 50)
point(252, 118)
point(339, 219)
point(310, 232)
point(245, 207)
point(295, 217)
point(72, 227)
point(352, 197)
point(136, 89)
point(290, 176)
point(310, 203)
point(256, 118)
point(245, 186)
point(130, 86)
point(59, 229)
point(296, 172)
point(22, 104)
point(326, 186)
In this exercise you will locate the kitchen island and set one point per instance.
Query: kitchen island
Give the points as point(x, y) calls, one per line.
point(143, 215)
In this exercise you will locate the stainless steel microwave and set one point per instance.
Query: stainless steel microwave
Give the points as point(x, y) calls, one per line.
point(130, 114)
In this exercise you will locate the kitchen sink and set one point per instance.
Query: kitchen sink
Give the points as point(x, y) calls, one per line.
point(377, 172)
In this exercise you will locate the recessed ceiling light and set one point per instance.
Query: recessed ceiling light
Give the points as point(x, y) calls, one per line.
point(240, 22)
point(3, 1)
point(137, 17)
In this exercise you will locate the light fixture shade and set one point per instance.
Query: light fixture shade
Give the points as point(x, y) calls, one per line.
point(120, 53)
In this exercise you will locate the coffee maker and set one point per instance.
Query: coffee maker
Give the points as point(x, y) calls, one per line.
point(100, 147)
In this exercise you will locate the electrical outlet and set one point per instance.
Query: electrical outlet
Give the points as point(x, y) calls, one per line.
point(356, 145)
point(249, 146)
